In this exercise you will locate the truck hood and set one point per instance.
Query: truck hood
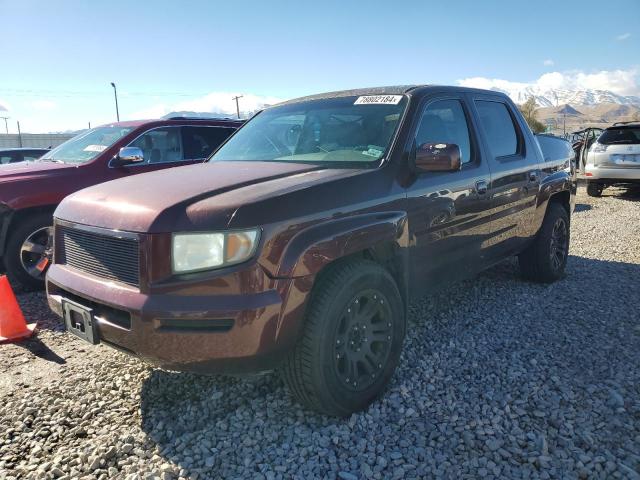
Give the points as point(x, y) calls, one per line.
point(196, 197)
point(28, 170)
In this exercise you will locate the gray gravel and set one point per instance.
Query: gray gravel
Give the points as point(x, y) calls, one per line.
point(499, 379)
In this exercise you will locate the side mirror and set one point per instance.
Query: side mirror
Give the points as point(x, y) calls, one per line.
point(128, 155)
point(438, 157)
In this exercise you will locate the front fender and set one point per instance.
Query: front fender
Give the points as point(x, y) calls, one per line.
point(311, 249)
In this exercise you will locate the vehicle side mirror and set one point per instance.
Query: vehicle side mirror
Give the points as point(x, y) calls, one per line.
point(128, 155)
point(438, 157)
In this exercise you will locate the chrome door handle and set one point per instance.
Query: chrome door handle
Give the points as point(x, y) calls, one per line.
point(481, 187)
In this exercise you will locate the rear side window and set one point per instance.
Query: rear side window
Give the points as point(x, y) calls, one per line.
point(199, 142)
point(444, 121)
point(620, 136)
point(498, 127)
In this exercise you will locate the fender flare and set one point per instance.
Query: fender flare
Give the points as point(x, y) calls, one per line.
point(553, 184)
point(312, 249)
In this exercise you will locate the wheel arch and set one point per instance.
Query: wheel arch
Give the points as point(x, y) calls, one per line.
point(562, 198)
point(314, 252)
point(380, 237)
point(17, 216)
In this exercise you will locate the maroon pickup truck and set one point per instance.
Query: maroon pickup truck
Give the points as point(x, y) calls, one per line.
point(299, 245)
point(31, 190)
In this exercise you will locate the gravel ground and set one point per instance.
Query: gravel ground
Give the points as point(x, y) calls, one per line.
point(499, 379)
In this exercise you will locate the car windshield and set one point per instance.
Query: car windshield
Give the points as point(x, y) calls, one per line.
point(345, 130)
point(622, 136)
point(87, 145)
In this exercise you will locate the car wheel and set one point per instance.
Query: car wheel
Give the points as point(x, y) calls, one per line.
point(351, 340)
point(29, 251)
point(546, 258)
point(594, 189)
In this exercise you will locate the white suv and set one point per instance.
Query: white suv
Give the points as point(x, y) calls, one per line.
point(614, 158)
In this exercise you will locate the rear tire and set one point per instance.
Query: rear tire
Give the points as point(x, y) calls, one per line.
point(546, 258)
point(594, 189)
point(20, 264)
point(351, 340)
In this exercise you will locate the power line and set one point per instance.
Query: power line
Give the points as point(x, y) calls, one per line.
point(77, 93)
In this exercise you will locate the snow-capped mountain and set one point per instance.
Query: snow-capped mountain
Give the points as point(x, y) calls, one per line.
point(555, 97)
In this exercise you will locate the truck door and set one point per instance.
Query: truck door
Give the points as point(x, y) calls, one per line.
point(448, 211)
point(515, 173)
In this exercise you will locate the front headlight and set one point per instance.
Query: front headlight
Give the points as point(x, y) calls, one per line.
point(598, 148)
point(192, 252)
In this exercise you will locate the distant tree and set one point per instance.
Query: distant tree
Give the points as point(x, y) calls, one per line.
point(528, 110)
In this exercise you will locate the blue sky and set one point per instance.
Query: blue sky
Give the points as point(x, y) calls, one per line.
point(58, 58)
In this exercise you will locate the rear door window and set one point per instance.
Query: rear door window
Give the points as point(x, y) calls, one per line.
point(500, 131)
point(200, 142)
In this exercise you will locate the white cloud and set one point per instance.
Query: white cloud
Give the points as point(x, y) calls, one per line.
point(43, 104)
point(214, 102)
point(621, 82)
point(623, 36)
point(4, 106)
point(548, 62)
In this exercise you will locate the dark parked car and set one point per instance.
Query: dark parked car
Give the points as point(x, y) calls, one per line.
point(14, 155)
point(300, 243)
point(30, 191)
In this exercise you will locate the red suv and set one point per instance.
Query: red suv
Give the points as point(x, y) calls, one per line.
point(30, 191)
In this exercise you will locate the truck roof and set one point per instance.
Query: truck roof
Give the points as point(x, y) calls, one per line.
point(390, 90)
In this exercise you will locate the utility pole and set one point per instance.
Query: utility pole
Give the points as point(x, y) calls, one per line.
point(19, 133)
point(115, 94)
point(5, 123)
point(237, 104)
point(89, 125)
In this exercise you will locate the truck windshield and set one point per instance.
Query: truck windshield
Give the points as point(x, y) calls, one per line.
point(87, 145)
point(345, 130)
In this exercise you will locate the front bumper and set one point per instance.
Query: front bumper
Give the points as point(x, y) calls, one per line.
point(612, 174)
point(206, 333)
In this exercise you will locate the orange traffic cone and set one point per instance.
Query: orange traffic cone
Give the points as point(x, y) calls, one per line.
point(12, 324)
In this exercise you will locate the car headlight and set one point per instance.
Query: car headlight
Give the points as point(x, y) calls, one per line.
point(192, 252)
point(598, 148)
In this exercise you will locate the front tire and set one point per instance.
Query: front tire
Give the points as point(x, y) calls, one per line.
point(351, 340)
point(546, 258)
point(594, 189)
point(28, 251)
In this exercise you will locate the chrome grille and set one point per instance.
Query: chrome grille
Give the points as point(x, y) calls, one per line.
point(105, 256)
